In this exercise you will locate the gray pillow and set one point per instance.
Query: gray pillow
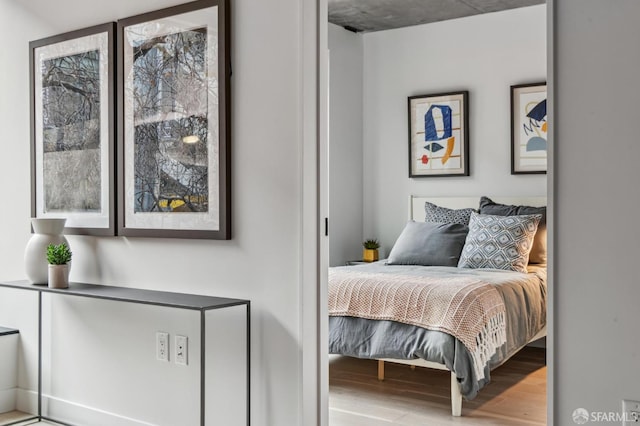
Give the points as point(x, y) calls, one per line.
point(539, 250)
point(499, 242)
point(434, 213)
point(429, 244)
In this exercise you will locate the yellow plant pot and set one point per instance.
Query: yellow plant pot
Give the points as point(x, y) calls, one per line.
point(370, 255)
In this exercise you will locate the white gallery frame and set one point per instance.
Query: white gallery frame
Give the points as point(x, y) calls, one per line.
point(68, 171)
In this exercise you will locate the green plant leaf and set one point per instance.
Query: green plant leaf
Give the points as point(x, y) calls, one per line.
point(371, 244)
point(58, 254)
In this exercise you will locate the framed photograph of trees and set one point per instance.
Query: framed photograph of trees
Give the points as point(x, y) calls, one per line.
point(73, 130)
point(173, 108)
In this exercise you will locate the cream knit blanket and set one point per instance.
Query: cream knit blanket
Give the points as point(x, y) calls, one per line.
point(466, 308)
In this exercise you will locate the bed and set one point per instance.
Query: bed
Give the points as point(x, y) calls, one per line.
point(380, 311)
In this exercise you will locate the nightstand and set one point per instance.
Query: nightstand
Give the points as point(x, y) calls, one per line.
point(356, 262)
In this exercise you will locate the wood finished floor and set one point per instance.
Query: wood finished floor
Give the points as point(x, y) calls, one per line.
point(516, 395)
point(14, 416)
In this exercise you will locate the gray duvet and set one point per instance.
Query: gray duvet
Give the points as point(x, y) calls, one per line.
point(525, 299)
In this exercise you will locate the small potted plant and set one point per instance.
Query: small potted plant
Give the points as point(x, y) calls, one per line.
point(370, 251)
point(58, 257)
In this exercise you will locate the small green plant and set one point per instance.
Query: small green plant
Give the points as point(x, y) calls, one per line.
point(371, 244)
point(58, 254)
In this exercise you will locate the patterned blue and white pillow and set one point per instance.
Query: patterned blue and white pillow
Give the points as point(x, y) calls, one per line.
point(499, 242)
point(539, 249)
point(434, 213)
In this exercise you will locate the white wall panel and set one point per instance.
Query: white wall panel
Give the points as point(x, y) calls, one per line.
point(484, 54)
point(261, 262)
point(345, 145)
point(596, 278)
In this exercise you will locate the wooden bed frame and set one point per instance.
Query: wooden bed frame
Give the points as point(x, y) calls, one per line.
point(416, 212)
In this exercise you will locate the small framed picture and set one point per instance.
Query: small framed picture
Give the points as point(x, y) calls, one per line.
point(438, 135)
point(72, 129)
point(529, 128)
point(174, 120)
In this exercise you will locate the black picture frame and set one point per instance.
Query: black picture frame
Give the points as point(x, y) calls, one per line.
point(528, 128)
point(436, 151)
point(72, 97)
point(175, 185)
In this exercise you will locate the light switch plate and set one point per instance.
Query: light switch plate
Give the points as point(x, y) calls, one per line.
point(182, 350)
point(162, 346)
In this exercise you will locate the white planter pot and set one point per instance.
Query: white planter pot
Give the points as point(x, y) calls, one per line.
point(46, 231)
point(58, 276)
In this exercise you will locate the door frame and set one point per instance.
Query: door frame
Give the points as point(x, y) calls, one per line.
point(315, 261)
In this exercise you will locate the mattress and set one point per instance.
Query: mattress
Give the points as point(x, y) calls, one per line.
point(524, 298)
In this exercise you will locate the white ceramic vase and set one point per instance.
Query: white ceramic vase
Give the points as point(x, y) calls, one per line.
point(46, 231)
point(59, 276)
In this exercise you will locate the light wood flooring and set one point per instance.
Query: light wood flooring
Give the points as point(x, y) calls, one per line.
point(15, 416)
point(516, 395)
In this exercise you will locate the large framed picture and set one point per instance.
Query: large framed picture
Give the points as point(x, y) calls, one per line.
point(173, 106)
point(72, 129)
point(529, 128)
point(438, 135)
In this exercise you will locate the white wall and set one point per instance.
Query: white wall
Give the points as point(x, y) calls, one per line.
point(99, 369)
point(8, 371)
point(596, 151)
point(261, 263)
point(345, 145)
point(483, 54)
point(19, 310)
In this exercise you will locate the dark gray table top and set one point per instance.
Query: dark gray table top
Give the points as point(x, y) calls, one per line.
point(134, 295)
point(4, 331)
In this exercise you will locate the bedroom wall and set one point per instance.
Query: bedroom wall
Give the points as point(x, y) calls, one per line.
point(483, 54)
point(345, 145)
point(261, 263)
point(595, 272)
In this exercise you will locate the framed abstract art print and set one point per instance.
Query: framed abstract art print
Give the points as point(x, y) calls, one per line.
point(439, 135)
point(529, 128)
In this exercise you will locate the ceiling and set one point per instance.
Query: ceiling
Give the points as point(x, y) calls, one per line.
point(377, 15)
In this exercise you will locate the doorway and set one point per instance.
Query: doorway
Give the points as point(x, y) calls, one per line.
point(380, 209)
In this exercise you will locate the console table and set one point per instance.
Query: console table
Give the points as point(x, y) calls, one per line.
point(193, 302)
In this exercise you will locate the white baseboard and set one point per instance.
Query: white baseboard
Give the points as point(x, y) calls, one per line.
point(8, 399)
point(74, 413)
point(71, 412)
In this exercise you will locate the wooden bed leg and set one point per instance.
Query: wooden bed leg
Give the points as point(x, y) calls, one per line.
point(380, 369)
point(456, 397)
